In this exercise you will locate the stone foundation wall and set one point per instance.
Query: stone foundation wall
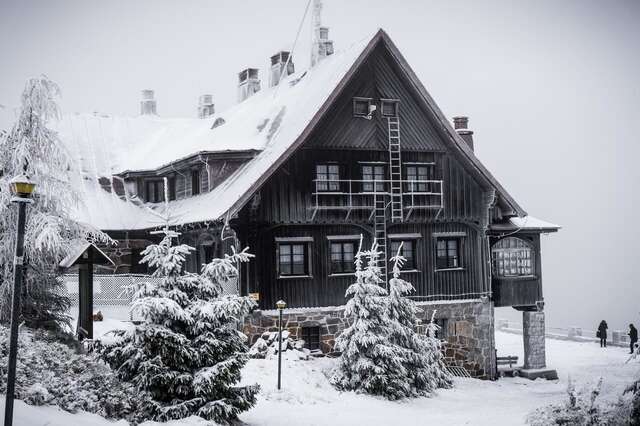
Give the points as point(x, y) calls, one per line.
point(470, 341)
point(469, 335)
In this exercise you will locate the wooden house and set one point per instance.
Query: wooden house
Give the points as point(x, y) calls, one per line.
point(299, 172)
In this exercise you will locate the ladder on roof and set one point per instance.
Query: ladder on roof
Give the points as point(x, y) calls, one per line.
point(380, 232)
point(395, 169)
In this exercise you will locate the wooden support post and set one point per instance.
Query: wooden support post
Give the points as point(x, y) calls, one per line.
point(85, 296)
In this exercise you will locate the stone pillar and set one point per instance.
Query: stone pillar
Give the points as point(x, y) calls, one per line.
point(533, 334)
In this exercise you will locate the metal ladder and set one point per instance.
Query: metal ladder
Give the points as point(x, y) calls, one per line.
point(380, 232)
point(395, 169)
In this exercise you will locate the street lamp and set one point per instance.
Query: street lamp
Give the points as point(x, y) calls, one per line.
point(21, 187)
point(280, 304)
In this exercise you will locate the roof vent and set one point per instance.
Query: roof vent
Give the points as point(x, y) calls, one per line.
point(206, 108)
point(148, 103)
point(281, 65)
point(460, 124)
point(248, 83)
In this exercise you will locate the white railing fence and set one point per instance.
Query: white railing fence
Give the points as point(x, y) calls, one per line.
point(112, 293)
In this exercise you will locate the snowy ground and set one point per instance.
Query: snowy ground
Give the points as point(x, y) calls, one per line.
point(308, 399)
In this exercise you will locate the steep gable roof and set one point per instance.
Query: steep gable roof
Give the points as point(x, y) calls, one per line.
point(274, 122)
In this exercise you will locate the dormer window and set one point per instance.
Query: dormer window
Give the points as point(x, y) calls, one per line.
point(154, 191)
point(195, 182)
point(362, 106)
point(389, 107)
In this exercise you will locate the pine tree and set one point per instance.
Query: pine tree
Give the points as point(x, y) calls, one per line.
point(424, 363)
point(370, 362)
point(188, 353)
point(33, 149)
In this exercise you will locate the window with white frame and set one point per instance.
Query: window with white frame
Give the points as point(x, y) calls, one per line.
point(512, 257)
point(293, 256)
point(448, 253)
point(342, 257)
point(373, 172)
point(327, 176)
point(416, 173)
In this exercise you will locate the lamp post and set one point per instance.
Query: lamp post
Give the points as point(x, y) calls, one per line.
point(280, 304)
point(22, 188)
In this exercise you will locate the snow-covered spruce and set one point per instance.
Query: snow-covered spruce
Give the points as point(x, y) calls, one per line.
point(370, 362)
point(424, 363)
point(267, 347)
point(33, 149)
point(188, 353)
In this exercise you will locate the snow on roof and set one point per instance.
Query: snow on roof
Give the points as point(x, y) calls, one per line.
point(526, 223)
point(269, 121)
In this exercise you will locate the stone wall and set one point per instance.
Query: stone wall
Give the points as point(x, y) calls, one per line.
point(469, 335)
point(533, 335)
point(469, 342)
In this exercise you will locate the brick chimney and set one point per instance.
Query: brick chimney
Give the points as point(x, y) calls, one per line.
point(279, 61)
point(248, 83)
point(206, 108)
point(460, 125)
point(148, 103)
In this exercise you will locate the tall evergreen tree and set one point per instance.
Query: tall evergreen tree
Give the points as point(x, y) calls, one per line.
point(188, 353)
point(370, 362)
point(33, 149)
point(424, 363)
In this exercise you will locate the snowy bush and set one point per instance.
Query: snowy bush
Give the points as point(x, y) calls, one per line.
point(188, 353)
point(52, 373)
point(267, 347)
point(33, 149)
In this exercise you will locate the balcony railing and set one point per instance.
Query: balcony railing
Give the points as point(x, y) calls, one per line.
point(361, 194)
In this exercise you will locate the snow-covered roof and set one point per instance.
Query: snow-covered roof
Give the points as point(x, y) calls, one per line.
point(526, 223)
point(269, 121)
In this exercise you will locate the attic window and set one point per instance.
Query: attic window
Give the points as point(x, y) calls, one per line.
point(361, 106)
point(390, 107)
point(195, 182)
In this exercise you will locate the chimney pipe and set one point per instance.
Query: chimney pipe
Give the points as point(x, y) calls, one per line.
point(248, 83)
point(279, 61)
point(321, 46)
point(206, 108)
point(460, 124)
point(148, 103)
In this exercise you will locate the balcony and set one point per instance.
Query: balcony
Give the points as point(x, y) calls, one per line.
point(350, 195)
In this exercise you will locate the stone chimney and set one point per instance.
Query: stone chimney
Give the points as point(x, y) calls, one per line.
point(206, 108)
point(460, 125)
point(248, 83)
point(279, 62)
point(321, 46)
point(148, 103)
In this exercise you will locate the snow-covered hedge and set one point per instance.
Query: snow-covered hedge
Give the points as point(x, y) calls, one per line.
point(51, 373)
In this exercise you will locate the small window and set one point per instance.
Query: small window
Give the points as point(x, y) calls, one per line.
point(448, 253)
point(408, 252)
point(342, 257)
point(195, 182)
point(441, 330)
point(293, 259)
point(415, 174)
point(389, 108)
point(327, 176)
point(311, 337)
point(154, 191)
point(373, 173)
point(172, 188)
point(512, 257)
point(361, 106)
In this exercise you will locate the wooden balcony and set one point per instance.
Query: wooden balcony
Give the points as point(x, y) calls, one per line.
point(350, 195)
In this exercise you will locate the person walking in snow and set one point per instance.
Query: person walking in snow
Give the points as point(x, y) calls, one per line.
point(633, 337)
point(602, 333)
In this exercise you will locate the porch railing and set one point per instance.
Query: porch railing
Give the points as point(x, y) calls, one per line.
point(360, 194)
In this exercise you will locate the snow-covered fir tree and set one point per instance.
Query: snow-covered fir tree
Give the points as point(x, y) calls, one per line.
point(188, 353)
point(31, 148)
point(370, 362)
point(425, 363)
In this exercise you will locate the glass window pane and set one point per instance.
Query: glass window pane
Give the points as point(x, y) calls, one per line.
point(285, 249)
point(298, 249)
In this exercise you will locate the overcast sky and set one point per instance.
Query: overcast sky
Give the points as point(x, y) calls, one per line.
point(552, 89)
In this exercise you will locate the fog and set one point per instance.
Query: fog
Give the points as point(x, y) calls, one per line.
point(552, 90)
